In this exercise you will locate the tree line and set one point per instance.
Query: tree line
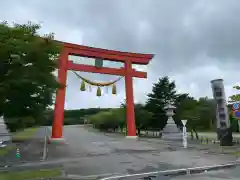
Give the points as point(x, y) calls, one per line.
point(200, 113)
point(73, 116)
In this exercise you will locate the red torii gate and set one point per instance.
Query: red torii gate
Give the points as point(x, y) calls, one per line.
point(84, 51)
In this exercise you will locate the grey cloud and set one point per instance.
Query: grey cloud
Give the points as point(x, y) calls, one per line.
point(184, 35)
point(180, 30)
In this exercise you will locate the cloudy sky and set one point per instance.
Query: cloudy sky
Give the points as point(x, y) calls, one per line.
point(194, 41)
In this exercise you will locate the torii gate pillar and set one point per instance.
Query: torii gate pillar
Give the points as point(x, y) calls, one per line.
point(84, 51)
point(130, 114)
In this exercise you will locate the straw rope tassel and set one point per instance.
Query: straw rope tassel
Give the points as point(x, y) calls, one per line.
point(114, 89)
point(99, 91)
point(83, 86)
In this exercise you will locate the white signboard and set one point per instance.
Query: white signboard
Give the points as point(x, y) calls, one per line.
point(184, 133)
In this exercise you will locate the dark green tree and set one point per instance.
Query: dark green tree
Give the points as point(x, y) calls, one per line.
point(183, 102)
point(207, 113)
point(27, 82)
point(188, 109)
point(199, 113)
point(142, 116)
point(163, 92)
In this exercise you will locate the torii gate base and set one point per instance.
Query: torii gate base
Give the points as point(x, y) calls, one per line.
point(84, 51)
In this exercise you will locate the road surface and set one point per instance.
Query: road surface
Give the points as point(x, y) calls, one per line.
point(96, 154)
point(229, 174)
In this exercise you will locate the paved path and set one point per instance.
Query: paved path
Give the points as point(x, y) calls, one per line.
point(97, 154)
point(42, 131)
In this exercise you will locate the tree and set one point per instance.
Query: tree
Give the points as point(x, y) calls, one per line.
point(163, 92)
point(187, 109)
point(207, 113)
point(235, 97)
point(107, 120)
point(199, 113)
point(116, 118)
point(143, 117)
point(182, 103)
point(27, 82)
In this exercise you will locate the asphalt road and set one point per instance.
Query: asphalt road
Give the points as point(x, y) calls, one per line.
point(230, 174)
point(99, 155)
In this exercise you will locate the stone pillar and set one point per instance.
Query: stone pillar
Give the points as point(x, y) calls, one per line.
point(223, 124)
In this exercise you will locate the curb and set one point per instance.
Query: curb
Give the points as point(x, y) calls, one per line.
point(9, 168)
point(177, 172)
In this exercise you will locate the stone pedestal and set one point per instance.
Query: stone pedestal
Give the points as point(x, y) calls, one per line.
point(225, 136)
point(4, 134)
point(171, 132)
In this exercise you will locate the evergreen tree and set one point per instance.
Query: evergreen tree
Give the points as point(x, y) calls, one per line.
point(183, 102)
point(163, 93)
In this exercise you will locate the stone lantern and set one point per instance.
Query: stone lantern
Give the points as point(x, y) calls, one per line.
point(169, 110)
point(171, 131)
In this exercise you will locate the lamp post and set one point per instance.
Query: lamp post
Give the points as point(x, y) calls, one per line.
point(170, 131)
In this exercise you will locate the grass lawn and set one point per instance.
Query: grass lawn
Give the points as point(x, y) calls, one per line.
point(25, 134)
point(29, 175)
point(19, 136)
point(236, 154)
point(4, 151)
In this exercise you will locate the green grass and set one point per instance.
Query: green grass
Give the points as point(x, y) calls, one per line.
point(19, 136)
point(236, 154)
point(4, 151)
point(25, 134)
point(29, 175)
